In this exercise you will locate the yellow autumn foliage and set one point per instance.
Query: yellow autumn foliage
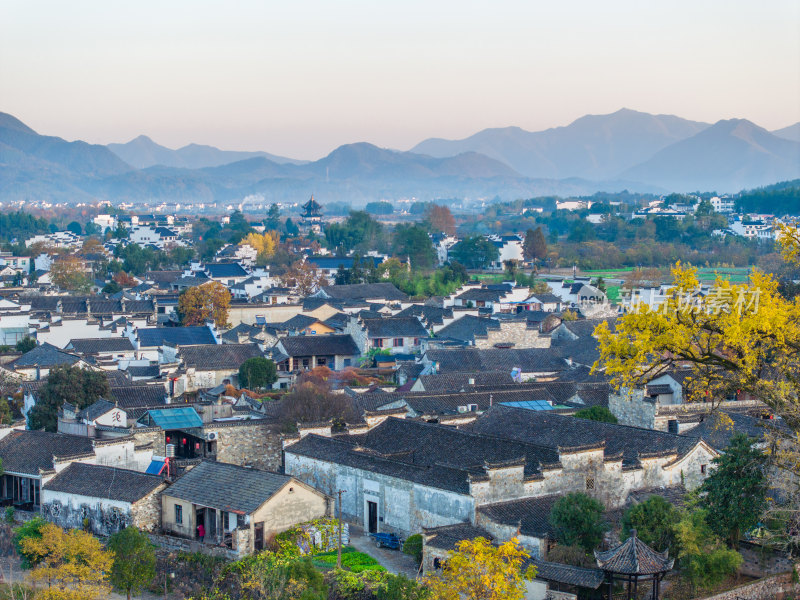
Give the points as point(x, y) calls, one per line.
point(263, 243)
point(70, 565)
point(737, 338)
point(479, 570)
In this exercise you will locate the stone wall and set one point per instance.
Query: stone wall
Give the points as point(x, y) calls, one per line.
point(403, 506)
point(150, 435)
point(778, 587)
point(513, 332)
point(248, 443)
point(632, 409)
point(146, 513)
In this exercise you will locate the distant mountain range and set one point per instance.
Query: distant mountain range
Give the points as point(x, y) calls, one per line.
point(142, 152)
point(594, 147)
point(624, 150)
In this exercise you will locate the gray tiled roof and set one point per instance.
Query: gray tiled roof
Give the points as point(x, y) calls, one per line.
point(298, 322)
point(227, 487)
point(431, 454)
point(554, 430)
point(222, 356)
point(453, 382)
point(97, 409)
point(97, 481)
point(531, 515)
point(45, 355)
point(389, 327)
point(430, 315)
point(634, 557)
point(446, 537)
point(363, 291)
point(139, 395)
point(320, 345)
point(493, 359)
point(98, 345)
point(467, 327)
point(568, 574)
point(29, 451)
point(150, 337)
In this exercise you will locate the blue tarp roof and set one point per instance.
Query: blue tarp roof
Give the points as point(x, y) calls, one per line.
point(175, 418)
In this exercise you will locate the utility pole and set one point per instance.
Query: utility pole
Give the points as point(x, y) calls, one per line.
point(339, 524)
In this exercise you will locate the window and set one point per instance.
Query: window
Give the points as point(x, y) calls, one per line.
point(347, 362)
point(377, 343)
point(590, 483)
point(178, 514)
point(321, 361)
point(416, 341)
point(703, 469)
point(398, 342)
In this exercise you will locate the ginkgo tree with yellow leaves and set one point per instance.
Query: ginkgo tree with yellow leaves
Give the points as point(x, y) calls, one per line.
point(264, 244)
point(68, 565)
point(739, 338)
point(479, 570)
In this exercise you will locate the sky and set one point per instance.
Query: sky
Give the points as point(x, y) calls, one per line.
point(299, 78)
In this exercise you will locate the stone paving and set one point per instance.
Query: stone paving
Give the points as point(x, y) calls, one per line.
point(393, 560)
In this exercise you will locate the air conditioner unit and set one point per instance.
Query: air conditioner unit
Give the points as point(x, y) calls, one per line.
point(211, 436)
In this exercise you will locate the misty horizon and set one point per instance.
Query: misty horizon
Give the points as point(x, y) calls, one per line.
point(301, 79)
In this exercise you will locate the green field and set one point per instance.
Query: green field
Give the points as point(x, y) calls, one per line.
point(706, 274)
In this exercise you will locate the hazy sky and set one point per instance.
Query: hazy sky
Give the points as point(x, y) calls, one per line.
point(299, 78)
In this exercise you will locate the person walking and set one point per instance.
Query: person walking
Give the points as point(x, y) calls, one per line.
point(201, 532)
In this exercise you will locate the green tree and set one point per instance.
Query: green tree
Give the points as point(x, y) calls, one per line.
point(77, 386)
point(292, 230)
point(257, 373)
point(29, 529)
point(273, 220)
point(75, 228)
point(26, 344)
point(596, 413)
point(735, 494)
point(358, 232)
point(112, 287)
point(535, 246)
point(6, 417)
point(413, 546)
point(474, 252)
point(578, 520)
point(413, 242)
point(654, 521)
point(134, 560)
point(702, 557)
point(379, 208)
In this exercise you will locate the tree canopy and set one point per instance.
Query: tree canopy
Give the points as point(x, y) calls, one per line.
point(208, 301)
point(596, 413)
point(72, 564)
point(134, 565)
point(412, 242)
point(474, 252)
point(479, 570)
point(735, 494)
point(654, 521)
point(80, 387)
point(578, 520)
point(257, 372)
point(740, 338)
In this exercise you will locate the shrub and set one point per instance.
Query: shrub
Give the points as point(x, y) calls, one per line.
point(413, 547)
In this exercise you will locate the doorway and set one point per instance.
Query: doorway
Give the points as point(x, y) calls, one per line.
point(258, 536)
point(372, 517)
